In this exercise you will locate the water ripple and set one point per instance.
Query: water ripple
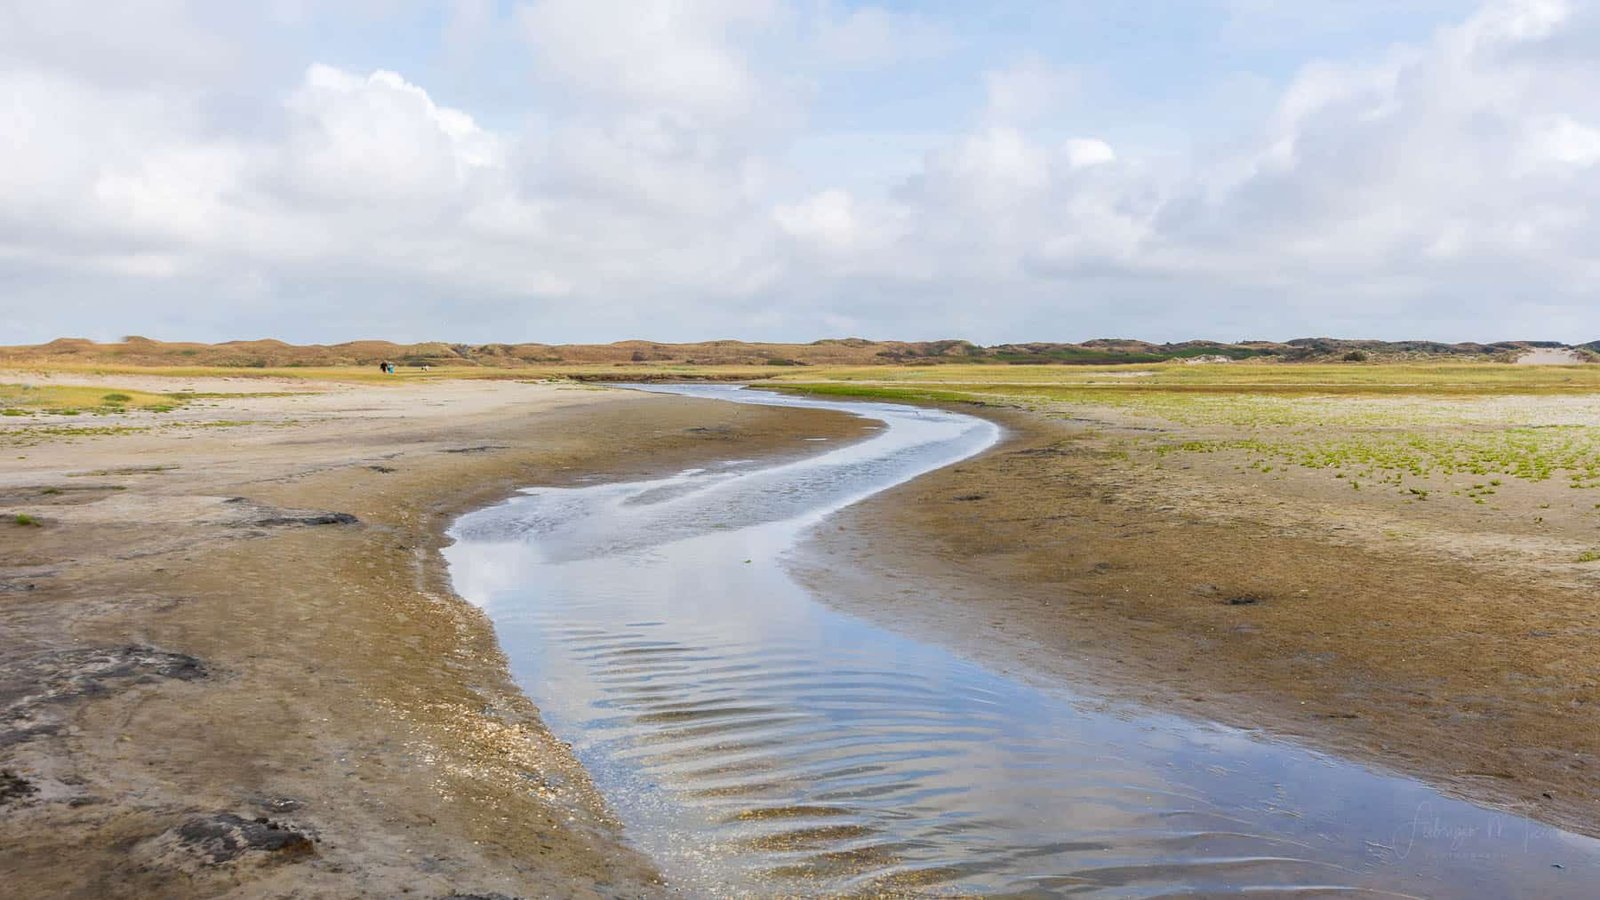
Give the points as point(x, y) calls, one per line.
point(757, 743)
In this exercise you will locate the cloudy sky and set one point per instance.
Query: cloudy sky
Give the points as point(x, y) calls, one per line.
point(592, 170)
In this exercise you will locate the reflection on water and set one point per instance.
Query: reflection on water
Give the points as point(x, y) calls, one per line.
point(757, 742)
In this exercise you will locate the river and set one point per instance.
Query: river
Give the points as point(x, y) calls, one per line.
point(755, 741)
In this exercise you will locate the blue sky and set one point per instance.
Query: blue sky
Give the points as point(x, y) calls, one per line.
point(584, 170)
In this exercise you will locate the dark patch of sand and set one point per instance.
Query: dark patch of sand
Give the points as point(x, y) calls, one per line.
point(233, 662)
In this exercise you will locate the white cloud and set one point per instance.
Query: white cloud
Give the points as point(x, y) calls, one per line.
point(1444, 188)
point(1505, 21)
point(871, 36)
point(379, 139)
point(1028, 90)
point(121, 44)
point(1084, 152)
point(105, 176)
point(827, 219)
point(836, 229)
point(1559, 141)
point(676, 55)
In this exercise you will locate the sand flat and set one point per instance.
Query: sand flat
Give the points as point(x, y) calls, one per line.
point(233, 661)
point(1422, 632)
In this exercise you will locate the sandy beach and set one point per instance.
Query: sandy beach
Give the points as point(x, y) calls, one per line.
point(233, 662)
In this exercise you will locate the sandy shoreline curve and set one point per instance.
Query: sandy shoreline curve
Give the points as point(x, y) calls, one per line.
point(233, 662)
point(1418, 642)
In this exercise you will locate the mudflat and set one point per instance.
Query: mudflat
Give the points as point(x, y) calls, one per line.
point(232, 661)
point(1405, 581)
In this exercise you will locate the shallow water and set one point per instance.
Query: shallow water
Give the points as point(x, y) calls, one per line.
point(757, 742)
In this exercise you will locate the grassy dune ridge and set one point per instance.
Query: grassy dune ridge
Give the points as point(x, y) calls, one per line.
point(273, 354)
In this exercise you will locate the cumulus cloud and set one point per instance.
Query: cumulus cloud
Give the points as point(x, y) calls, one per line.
point(1028, 90)
point(827, 219)
point(1558, 141)
point(643, 185)
point(1447, 186)
point(652, 54)
point(379, 140)
point(872, 36)
point(135, 42)
point(1368, 171)
point(1083, 152)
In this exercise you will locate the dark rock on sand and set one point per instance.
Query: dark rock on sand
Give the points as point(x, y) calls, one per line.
point(63, 674)
point(318, 518)
point(224, 837)
point(14, 787)
point(31, 684)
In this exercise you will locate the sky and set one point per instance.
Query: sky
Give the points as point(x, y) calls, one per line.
point(598, 170)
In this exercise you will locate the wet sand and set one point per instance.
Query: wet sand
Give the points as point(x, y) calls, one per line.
point(213, 681)
point(233, 663)
point(1444, 641)
point(758, 743)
